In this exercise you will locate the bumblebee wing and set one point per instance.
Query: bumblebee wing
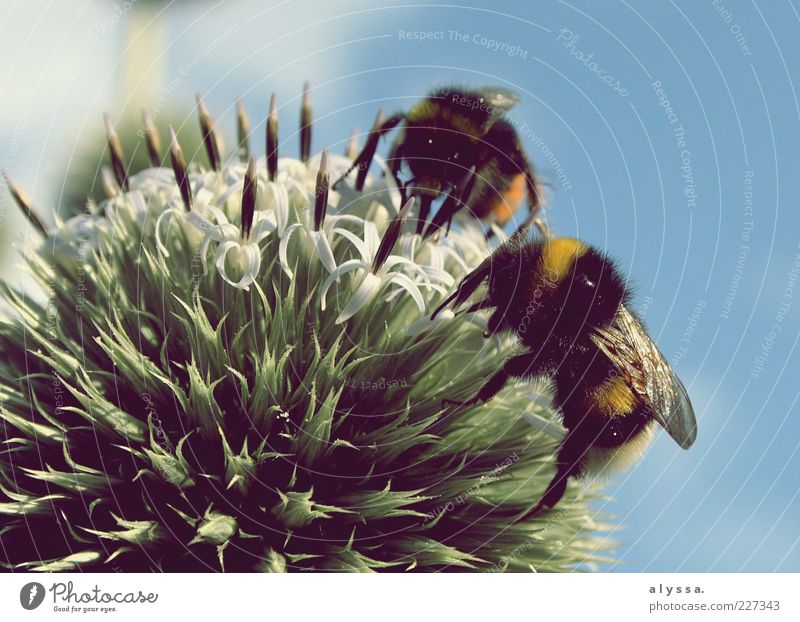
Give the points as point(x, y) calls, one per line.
point(638, 359)
point(500, 100)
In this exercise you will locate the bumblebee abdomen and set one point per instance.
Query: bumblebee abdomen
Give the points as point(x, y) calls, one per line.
point(497, 198)
point(610, 459)
point(595, 399)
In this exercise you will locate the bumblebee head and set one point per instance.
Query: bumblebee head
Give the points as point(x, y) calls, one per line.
point(560, 285)
point(581, 289)
point(434, 149)
point(507, 276)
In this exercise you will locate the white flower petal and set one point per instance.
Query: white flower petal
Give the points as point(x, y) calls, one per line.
point(138, 204)
point(347, 266)
point(153, 178)
point(283, 248)
point(203, 225)
point(323, 248)
point(395, 260)
point(291, 168)
point(217, 233)
point(439, 276)
point(250, 257)
point(446, 250)
point(297, 186)
point(408, 245)
point(253, 261)
point(263, 224)
point(234, 189)
point(202, 198)
point(371, 238)
point(280, 205)
point(425, 323)
point(167, 213)
point(366, 257)
point(406, 283)
point(337, 218)
point(365, 293)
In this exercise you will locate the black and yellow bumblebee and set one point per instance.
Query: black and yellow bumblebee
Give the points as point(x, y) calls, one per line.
point(445, 136)
point(569, 307)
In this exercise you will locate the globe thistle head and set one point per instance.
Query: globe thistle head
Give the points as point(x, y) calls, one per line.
point(233, 366)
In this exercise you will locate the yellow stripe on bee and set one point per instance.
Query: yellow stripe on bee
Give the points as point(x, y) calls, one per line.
point(614, 397)
point(558, 255)
point(428, 111)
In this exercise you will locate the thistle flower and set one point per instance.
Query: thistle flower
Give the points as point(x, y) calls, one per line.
point(161, 411)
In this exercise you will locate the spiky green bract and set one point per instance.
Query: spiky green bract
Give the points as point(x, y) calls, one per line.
point(154, 417)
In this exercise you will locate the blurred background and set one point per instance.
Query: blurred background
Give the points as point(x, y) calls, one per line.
point(668, 132)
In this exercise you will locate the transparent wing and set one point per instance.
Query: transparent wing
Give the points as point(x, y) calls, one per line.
point(638, 359)
point(498, 98)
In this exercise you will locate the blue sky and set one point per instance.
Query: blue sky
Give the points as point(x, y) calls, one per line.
point(675, 126)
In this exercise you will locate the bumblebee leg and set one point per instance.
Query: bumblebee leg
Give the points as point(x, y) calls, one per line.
point(364, 159)
point(534, 203)
point(568, 465)
point(395, 157)
point(493, 325)
point(424, 211)
point(517, 366)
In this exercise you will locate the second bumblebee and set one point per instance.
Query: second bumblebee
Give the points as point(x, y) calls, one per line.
point(568, 305)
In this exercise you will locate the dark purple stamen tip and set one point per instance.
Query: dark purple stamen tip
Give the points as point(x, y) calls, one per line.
point(110, 186)
point(321, 192)
point(249, 198)
point(115, 150)
point(272, 138)
point(210, 139)
point(243, 130)
point(391, 236)
point(152, 139)
point(179, 168)
point(306, 112)
point(24, 202)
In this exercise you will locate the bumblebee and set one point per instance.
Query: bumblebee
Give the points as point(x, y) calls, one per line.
point(446, 135)
point(569, 307)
